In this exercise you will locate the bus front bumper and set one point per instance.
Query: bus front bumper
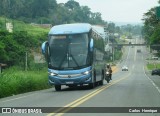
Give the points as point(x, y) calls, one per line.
point(84, 79)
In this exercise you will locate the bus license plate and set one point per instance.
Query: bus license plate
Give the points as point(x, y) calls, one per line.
point(69, 82)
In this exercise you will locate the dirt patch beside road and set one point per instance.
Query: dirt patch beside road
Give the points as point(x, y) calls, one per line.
point(114, 69)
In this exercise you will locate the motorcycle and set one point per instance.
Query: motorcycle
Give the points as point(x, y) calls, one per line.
point(108, 76)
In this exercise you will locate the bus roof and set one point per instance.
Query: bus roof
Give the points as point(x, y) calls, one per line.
point(70, 28)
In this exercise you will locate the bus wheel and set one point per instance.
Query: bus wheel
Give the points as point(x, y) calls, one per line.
point(91, 85)
point(102, 78)
point(101, 82)
point(58, 87)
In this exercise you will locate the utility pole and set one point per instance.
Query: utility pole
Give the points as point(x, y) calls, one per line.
point(149, 54)
point(26, 60)
point(113, 52)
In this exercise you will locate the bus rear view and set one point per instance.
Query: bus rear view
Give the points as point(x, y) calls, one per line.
point(69, 54)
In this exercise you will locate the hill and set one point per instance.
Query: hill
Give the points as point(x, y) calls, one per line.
point(32, 30)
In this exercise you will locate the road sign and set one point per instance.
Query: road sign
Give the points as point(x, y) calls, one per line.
point(9, 27)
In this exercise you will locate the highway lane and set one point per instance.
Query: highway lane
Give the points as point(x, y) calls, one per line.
point(127, 89)
point(136, 90)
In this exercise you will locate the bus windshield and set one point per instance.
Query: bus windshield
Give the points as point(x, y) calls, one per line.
point(69, 51)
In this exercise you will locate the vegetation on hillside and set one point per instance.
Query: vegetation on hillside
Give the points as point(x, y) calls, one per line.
point(13, 46)
point(151, 28)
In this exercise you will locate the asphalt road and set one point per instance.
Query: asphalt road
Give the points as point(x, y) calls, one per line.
point(133, 88)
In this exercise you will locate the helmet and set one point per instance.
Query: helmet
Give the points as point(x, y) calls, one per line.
point(108, 65)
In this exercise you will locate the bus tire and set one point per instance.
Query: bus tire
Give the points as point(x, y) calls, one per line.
point(57, 87)
point(101, 82)
point(91, 85)
point(102, 78)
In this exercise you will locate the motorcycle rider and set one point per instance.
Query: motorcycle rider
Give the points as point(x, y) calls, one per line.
point(109, 69)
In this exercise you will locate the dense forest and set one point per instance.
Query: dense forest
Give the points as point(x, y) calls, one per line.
point(48, 11)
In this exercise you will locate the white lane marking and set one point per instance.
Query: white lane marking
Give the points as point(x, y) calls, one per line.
point(154, 84)
point(127, 56)
point(135, 51)
point(128, 53)
point(151, 81)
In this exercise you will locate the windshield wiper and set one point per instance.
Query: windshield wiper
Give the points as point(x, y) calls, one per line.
point(74, 60)
point(68, 59)
point(62, 61)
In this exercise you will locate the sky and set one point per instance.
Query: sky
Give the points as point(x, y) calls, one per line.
point(119, 10)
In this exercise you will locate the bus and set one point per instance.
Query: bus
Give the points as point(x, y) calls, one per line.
point(75, 56)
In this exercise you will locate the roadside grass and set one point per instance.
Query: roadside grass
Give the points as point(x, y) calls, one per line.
point(153, 66)
point(30, 29)
point(13, 81)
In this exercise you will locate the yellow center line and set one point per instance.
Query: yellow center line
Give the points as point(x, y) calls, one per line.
point(81, 100)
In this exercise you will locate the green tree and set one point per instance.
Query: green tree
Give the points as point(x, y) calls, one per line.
point(48, 11)
point(111, 27)
point(71, 4)
point(150, 24)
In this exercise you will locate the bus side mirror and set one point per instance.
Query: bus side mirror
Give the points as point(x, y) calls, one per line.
point(43, 47)
point(91, 45)
point(45, 50)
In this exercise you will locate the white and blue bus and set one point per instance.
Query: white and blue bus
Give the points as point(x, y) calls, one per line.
point(74, 56)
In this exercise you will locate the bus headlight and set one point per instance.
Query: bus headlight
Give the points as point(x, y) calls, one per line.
point(52, 74)
point(86, 72)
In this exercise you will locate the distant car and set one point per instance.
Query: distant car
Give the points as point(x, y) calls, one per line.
point(156, 72)
point(124, 68)
point(138, 50)
point(155, 58)
point(132, 45)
